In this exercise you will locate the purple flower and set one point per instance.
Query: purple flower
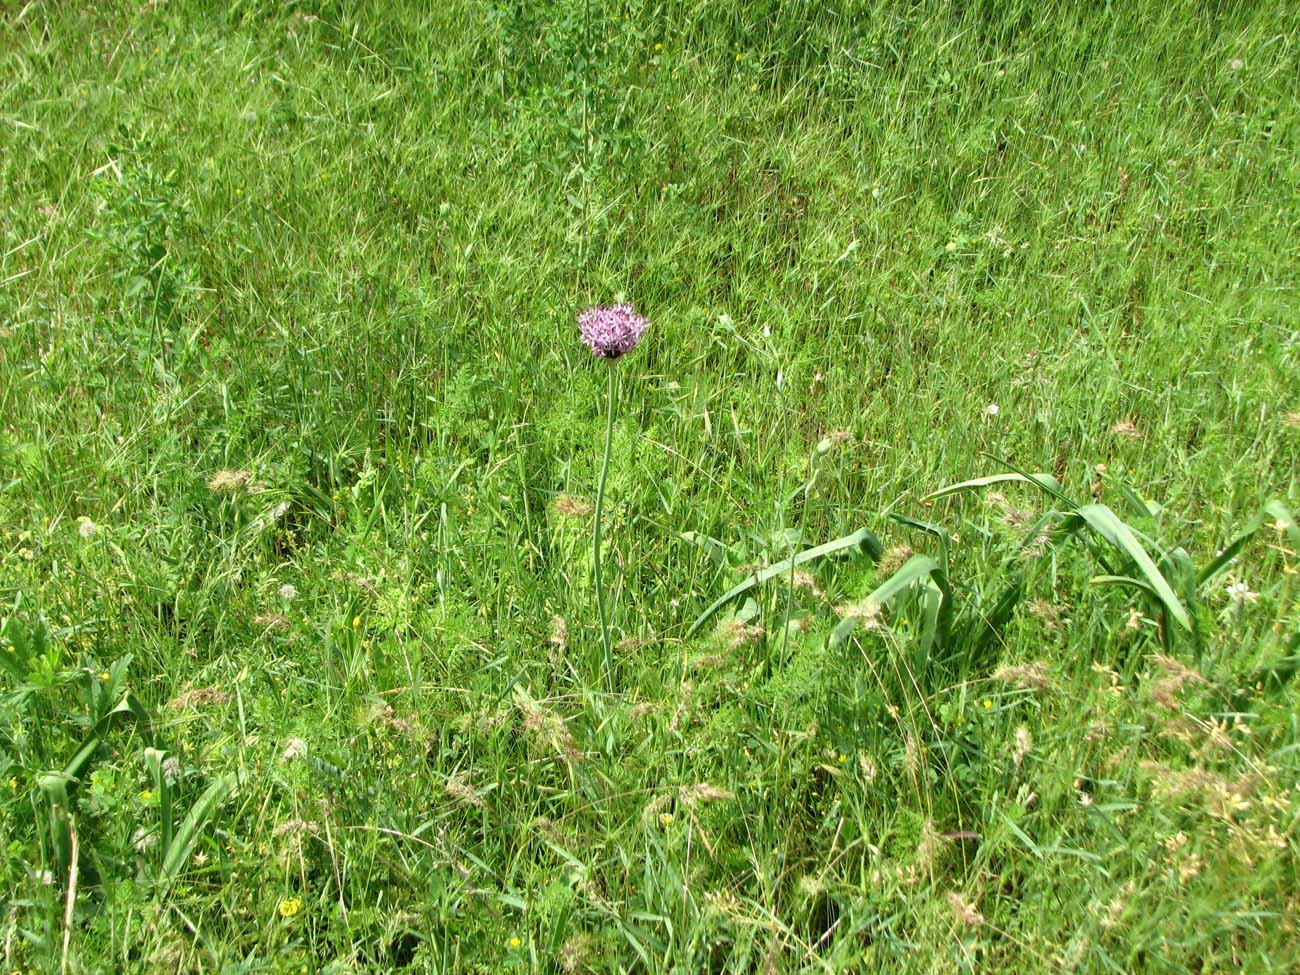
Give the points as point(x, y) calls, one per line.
point(611, 330)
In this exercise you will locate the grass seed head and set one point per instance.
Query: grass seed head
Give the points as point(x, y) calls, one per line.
point(894, 558)
point(803, 579)
point(572, 506)
point(559, 636)
point(1024, 743)
point(228, 482)
point(575, 953)
point(1030, 676)
point(737, 634)
point(458, 788)
point(548, 729)
point(198, 697)
point(692, 795)
point(964, 911)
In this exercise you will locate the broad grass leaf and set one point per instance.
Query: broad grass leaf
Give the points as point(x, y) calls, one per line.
point(861, 540)
point(1109, 526)
point(1275, 510)
point(916, 568)
point(1044, 481)
point(187, 835)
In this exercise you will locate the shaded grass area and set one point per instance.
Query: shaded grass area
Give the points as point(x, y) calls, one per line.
point(288, 300)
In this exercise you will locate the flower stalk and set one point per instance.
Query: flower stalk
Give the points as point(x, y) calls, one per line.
point(610, 332)
point(601, 606)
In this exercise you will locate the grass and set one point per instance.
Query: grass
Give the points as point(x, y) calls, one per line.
point(302, 669)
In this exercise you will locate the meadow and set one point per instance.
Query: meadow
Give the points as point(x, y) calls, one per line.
point(972, 383)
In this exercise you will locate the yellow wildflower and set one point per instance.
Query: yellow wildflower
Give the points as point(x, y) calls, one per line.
point(290, 906)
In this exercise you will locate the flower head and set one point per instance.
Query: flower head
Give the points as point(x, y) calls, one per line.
point(1240, 593)
point(611, 330)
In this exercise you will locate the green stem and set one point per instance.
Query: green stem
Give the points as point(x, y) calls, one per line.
point(595, 539)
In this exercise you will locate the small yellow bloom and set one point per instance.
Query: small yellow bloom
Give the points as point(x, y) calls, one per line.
point(146, 795)
point(665, 819)
point(843, 758)
point(739, 56)
point(238, 190)
point(987, 704)
point(104, 675)
point(356, 622)
point(659, 47)
point(290, 906)
point(13, 783)
point(515, 943)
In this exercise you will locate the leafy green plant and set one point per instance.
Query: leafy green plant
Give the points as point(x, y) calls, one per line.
point(952, 625)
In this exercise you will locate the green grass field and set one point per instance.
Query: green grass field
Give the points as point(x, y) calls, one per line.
point(301, 668)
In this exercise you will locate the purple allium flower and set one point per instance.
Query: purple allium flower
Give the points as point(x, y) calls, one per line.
point(611, 330)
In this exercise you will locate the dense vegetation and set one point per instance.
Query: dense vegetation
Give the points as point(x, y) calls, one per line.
point(300, 666)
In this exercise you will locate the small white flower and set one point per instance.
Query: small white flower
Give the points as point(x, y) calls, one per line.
point(1240, 593)
point(269, 519)
point(992, 409)
point(288, 592)
point(1236, 64)
point(294, 748)
point(1085, 800)
point(171, 769)
point(87, 528)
